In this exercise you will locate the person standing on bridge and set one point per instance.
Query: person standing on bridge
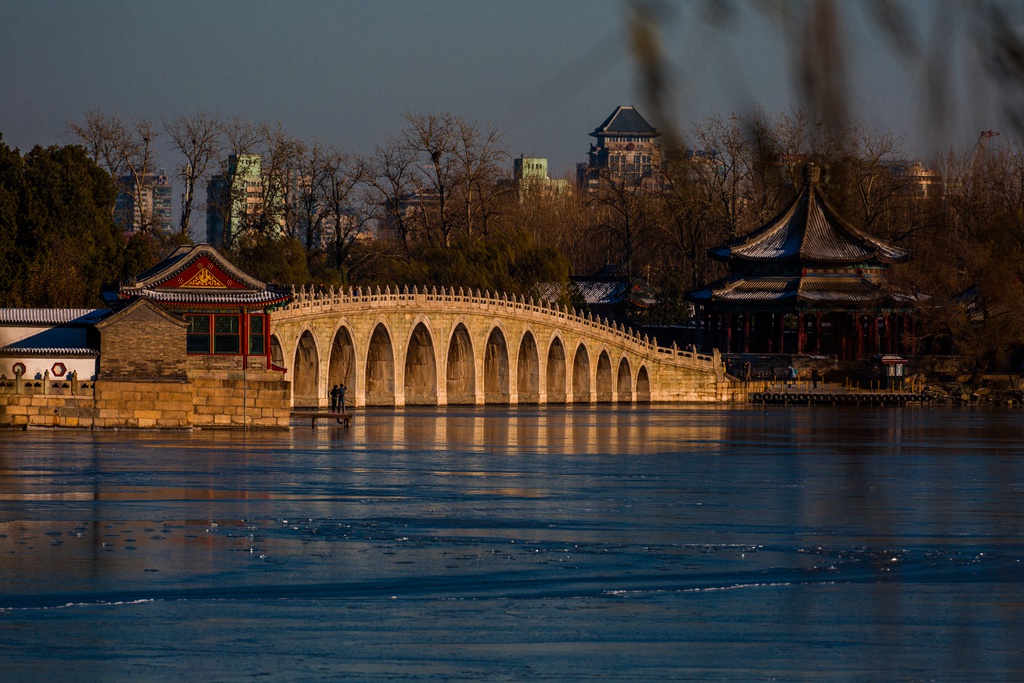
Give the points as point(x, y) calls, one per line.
point(335, 395)
point(341, 396)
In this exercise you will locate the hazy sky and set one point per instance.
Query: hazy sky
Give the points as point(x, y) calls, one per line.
point(546, 72)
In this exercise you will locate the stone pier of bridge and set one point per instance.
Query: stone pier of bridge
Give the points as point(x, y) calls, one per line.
point(450, 347)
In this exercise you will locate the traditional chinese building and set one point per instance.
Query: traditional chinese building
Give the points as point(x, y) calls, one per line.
point(806, 282)
point(224, 309)
point(184, 345)
point(625, 151)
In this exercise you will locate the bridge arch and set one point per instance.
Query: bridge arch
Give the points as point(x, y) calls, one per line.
point(581, 374)
point(380, 367)
point(556, 370)
point(496, 381)
point(420, 367)
point(542, 343)
point(528, 369)
point(306, 372)
point(624, 386)
point(604, 377)
point(460, 369)
point(341, 365)
point(643, 385)
point(277, 353)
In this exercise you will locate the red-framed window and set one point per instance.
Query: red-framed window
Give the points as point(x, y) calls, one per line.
point(257, 335)
point(223, 334)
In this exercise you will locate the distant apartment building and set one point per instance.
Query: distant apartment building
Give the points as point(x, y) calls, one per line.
point(407, 214)
point(234, 200)
point(145, 206)
point(922, 183)
point(625, 151)
point(530, 175)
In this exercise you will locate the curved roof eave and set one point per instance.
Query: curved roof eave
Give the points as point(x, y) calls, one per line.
point(808, 228)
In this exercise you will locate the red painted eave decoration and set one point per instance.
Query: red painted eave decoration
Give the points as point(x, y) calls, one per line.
point(202, 274)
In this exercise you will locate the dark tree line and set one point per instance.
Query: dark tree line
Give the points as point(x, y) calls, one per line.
point(60, 246)
point(444, 211)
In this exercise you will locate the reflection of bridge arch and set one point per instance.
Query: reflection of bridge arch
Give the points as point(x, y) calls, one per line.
point(394, 348)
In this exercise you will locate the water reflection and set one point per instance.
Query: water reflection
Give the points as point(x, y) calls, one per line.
point(855, 543)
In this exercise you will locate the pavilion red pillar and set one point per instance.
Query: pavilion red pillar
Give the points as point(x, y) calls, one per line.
point(801, 334)
point(817, 333)
point(746, 332)
point(780, 321)
point(888, 335)
point(728, 332)
point(860, 335)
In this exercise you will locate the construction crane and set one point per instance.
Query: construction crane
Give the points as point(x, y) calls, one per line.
point(979, 146)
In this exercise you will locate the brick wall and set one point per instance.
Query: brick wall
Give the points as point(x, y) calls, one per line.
point(257, 398)
point(142, 341)
point(207, 400)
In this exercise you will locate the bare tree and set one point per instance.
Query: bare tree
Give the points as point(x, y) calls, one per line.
point(390, 172)
point(126, 150)
point(343, 174)
point(196, 137)
point(433, 139)
point(482, 161)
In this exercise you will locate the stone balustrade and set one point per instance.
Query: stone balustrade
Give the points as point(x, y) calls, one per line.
point(326, 299)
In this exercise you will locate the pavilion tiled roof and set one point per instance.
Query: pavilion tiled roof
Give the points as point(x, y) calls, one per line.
point(809, 230)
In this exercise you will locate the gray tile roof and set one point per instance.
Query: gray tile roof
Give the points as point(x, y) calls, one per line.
point(52, 352)
point(159, 296)
point(52, 316)
point(809, 229)
point(624, 121)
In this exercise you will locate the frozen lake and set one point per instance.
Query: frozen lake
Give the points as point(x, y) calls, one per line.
point(531, 543)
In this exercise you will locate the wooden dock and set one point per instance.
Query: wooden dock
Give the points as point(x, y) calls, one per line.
point(314, 415)
point(849, 397)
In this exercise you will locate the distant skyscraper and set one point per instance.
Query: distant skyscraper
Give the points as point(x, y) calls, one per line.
point(233, 200)
point(145, 208)
point(625, 150)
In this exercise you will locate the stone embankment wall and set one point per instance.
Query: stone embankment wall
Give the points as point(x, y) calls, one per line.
point(211, 400)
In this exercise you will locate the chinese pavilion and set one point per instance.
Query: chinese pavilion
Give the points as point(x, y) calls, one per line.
point(225, 309)
point(806, 282)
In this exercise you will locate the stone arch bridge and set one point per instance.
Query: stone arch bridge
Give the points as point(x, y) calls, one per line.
point(445, 347)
